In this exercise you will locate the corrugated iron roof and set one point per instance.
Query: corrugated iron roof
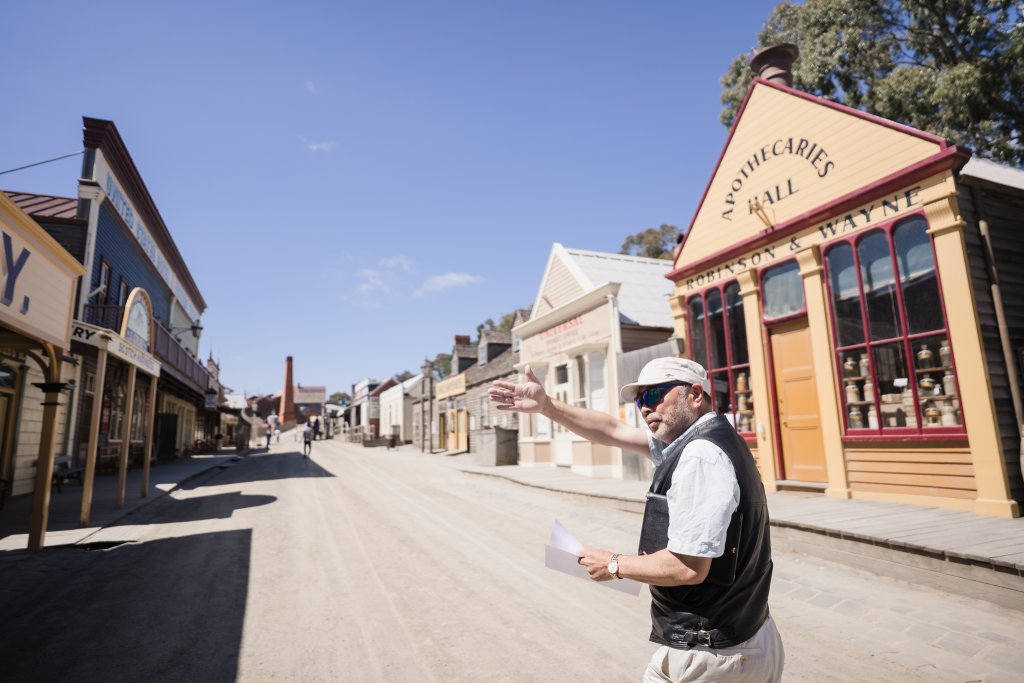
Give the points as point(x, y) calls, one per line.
point(644, 294)
point(45, 206)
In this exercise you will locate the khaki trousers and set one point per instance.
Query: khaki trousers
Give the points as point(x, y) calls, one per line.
point(760, 659)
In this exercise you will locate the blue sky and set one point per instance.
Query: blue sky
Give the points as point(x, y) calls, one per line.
point(354, 183)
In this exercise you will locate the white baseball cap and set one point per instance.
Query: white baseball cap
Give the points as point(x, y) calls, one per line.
point(665, 370)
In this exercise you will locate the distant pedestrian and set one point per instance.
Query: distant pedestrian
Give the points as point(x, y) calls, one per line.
point(316, 428)
point(277, 435)
point(269, 433)
point(307, 440)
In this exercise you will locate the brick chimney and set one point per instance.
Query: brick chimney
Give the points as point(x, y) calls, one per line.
point(775, 64)
point(287, 409)
point(462, 340)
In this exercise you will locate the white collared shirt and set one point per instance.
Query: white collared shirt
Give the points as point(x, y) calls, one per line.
point(703, 495)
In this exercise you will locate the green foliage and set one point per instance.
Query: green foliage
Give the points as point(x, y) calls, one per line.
point(442, 365)
point(504, 325)
point(404, 375)
point(652, 242)
point(339, 398)
point(954, 68)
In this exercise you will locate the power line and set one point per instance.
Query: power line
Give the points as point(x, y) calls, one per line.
point(40, 163)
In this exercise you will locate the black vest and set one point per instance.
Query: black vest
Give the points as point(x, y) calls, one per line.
point(732, 602)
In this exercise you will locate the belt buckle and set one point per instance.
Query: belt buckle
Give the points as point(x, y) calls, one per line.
point(704, 638)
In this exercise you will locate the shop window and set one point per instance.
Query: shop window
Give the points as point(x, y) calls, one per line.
point(581, 393)
point(117, 406)
point(891, 335)
point(595, 378)
point(484, 408)
point(122, 292)
point(104, 282)
point(782, 291)
point(139, 412)
point(718, 341)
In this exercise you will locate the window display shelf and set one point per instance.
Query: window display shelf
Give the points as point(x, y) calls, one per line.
point(942, 368)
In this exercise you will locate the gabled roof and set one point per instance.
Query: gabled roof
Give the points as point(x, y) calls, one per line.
point(643, 295)
point(794, 153)
point(45, 206)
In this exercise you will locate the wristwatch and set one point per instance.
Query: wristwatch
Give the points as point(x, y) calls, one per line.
point(613, 566)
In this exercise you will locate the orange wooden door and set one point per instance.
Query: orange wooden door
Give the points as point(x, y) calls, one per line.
point(803, 448)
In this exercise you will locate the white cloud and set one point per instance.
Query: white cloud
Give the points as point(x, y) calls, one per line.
point(440, 283)
point(372, 283)
point(323, 146)
point(397, 261)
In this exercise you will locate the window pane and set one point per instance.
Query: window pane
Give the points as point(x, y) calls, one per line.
point(937, 390)
point(858, 392)
point(737, 324)
point(917, 276)
point(842, 277)
point(716, 329)
point(879, 286)
point(720, 389)
point(744, 400)
point(698, 343)
point(783, 290)
point(894, 395)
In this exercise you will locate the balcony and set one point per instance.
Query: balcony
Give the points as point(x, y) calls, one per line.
point(179, 363)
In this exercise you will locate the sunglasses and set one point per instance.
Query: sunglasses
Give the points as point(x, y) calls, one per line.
point(652, 396)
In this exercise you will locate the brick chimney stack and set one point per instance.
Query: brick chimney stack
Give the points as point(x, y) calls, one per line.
point(287, 409)
point(775, 64)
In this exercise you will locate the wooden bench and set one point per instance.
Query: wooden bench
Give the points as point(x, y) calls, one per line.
point(63, 472)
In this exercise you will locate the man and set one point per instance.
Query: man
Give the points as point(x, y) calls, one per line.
point(704, 544)
point(307, 440)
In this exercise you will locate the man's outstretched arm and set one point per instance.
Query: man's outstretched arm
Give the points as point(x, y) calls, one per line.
point(593, 425)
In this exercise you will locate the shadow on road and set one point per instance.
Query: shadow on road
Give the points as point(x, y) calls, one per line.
point(269, 467)
point(215, 506)
point(165, 610)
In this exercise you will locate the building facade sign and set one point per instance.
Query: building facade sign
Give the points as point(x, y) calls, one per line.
point(119, 199)
point(37, 279)
point(137, 326)
point(895, 205)
point(115, 345)
point(452, 386)
point(592, 327)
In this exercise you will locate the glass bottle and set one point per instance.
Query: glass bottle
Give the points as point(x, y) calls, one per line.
point(850, 366)
point(872, 418)
point(949, 384)
point(945, 354)
point(925, 357)
point(856, 419)
point(869, 390)
point(741, 381)
point(864, 370)
point(852, 392)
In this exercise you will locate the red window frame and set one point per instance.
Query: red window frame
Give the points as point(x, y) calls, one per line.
point(730, 370)
point(906, 340)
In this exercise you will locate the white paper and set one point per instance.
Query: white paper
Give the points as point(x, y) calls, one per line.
point(562, 556)
point(563, 539)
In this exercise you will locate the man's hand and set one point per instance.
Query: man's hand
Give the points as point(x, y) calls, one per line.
point(596, 562)
point(528, 397)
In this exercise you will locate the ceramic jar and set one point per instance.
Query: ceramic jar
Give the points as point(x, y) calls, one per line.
point(932, 415)
point(741, 381)
point(949, 417)
point(869, 390)
point(872, 418)
point(850, 367)
point(863, 365)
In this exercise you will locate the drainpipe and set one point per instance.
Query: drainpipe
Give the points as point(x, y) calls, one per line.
point(997, 302)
